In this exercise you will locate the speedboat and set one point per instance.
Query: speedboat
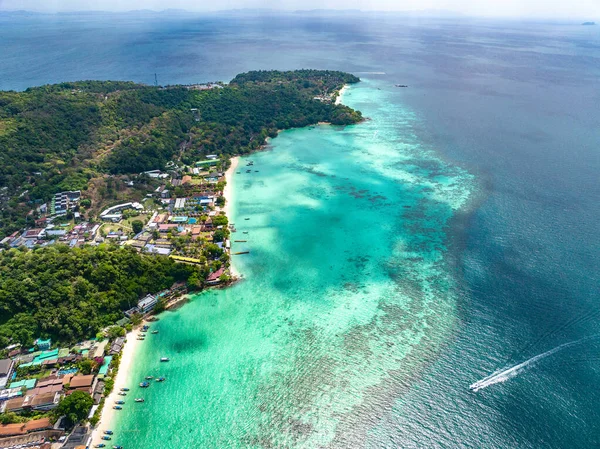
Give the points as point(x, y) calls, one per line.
point(154, 332)
point(149, 377)
point(124, 389)
point(108, 432)
point(164, 359)
point(118, 407)
point(139, 399)
point(119, 403)
point(144, 384)
point(161, 379)
point(106, 438)
point(117, 447)
point(100, 445)
point(122, 393)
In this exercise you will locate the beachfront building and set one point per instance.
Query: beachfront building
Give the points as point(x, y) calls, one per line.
point(117, 345)
point(214, 278)
point(147, 303)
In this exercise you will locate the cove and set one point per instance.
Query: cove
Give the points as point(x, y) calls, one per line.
point(348, 291)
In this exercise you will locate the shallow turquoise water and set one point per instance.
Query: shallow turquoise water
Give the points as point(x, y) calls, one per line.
point(347, 293)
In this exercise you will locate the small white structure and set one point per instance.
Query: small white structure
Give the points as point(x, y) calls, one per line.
point(115, 218)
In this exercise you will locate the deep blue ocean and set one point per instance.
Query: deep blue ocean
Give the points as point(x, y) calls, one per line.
point(515, 104)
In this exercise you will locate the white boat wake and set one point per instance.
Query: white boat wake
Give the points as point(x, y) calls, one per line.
point(508, 373)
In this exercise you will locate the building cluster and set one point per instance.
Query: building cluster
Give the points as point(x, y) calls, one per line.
point(75, 234)
point(183, 201)
point(37, 379)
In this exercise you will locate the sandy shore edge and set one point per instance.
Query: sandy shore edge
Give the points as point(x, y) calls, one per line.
point(228, 208)
point(107, 416)
point(339, 98)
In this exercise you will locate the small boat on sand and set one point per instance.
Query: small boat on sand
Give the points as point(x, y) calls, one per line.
point(119, 402)
point(118, 407)
point(124, 389)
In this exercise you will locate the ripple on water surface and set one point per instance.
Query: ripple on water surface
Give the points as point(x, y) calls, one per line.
point(348, 292)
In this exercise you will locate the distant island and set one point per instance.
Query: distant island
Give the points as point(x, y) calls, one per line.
point(589, 23)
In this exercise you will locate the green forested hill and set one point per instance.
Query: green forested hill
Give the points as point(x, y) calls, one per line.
point(58, 137)
point(70, 293)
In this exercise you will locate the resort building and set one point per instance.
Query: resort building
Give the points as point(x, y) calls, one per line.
point(85, 383)
point(112, 213)
point(117, 345)
point(147, 303)
point(63, 201)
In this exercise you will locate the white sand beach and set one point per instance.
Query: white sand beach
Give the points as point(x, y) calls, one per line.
point(339, 99)
point(127, 356)
point(228, 193)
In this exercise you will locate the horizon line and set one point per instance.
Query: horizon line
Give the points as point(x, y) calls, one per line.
point(431, 13)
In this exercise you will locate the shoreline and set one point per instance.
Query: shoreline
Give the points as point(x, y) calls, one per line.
point(131, 345)
point(228, 194)
point(338, 100)
point(108, 413)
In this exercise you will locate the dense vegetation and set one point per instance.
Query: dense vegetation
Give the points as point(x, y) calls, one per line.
point(70, 293)
point(58, 137)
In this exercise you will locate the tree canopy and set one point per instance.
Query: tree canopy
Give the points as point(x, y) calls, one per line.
point(75, 407)
point(69, 294)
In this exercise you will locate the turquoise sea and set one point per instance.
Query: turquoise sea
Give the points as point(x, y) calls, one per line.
point(346, 295)
point(392, 263)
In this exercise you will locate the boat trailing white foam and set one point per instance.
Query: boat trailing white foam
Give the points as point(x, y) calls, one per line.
point(508, 373)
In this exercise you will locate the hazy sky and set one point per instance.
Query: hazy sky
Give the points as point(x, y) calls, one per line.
point(519, 8)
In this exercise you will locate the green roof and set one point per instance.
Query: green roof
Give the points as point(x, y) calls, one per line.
point(209, 162)
point(63, 352)
point(27, 383)
point(104, 368)
point(123, 321)
point(47, 355)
